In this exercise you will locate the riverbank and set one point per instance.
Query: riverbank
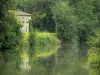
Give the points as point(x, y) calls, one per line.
point(42, 44)
point(39, 39)
point(46, 38)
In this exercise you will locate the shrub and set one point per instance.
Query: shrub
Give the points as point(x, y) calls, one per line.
point(10, 33)
point(32, 38)
point(94, 51)
point(45, 38)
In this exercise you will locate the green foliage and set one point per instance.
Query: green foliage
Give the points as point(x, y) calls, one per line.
point(24, 42)
point(96, 9)
point(9, 27)
point(94, 57)
point(43, 22)
point(94, 71)
point(87, 21)
point(10, 33)
point(4, 6)
point(65, 21)
point(41, 13)
point(45, 38)
point(79, 17)
point(32, 38)
point(37, 38)
point(94, 41)
point(87, 12)
point(37, 21)
point(43, 44)
point(94, 51)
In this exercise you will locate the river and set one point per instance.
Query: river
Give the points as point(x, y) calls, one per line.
point(65, 61)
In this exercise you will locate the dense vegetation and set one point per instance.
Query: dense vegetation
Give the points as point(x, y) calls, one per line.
point(9, 27)
point(42, 17)
point(94, 51)
point(74, 22)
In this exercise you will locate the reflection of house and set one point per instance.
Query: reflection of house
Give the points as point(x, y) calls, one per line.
point(25, 62)
point(23, 18)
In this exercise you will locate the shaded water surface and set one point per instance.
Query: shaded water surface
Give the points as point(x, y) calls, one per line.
point(25, 61)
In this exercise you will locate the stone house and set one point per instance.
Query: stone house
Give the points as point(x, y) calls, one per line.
point(23, 19)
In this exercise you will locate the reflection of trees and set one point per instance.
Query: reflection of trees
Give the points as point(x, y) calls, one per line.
point(31, 53)
point(43, 66)
point(48, 64)
point(10, 62)
point(67, 62)
point(83, 49)
point(94, 72)
point(45, 63)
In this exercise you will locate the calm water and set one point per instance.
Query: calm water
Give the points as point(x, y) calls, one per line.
point(26, 61)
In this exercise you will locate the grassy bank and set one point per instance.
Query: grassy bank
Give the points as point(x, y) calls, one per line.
point(37, 38)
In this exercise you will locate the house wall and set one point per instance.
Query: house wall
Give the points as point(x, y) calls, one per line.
point(24, 20)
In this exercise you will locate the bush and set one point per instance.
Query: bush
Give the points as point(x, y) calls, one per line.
point(10, 33)
point(42, 44)
point(94, 57)
point(37, 38)
point(94, 41)
point(45, 38)
point(32, 38)
point(94, 51)
point(24, 40)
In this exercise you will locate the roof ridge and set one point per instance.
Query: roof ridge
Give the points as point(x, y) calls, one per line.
point(20, 13)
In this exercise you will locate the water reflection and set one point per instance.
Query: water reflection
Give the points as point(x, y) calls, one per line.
point(10, 63)
point(47, 60)
point(94, 72)
point(25, 66)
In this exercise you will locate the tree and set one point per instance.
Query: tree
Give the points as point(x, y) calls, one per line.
point(9, 27)
point(87, 19)
point(65, 19)
point(96, 10)
point(38, 8)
